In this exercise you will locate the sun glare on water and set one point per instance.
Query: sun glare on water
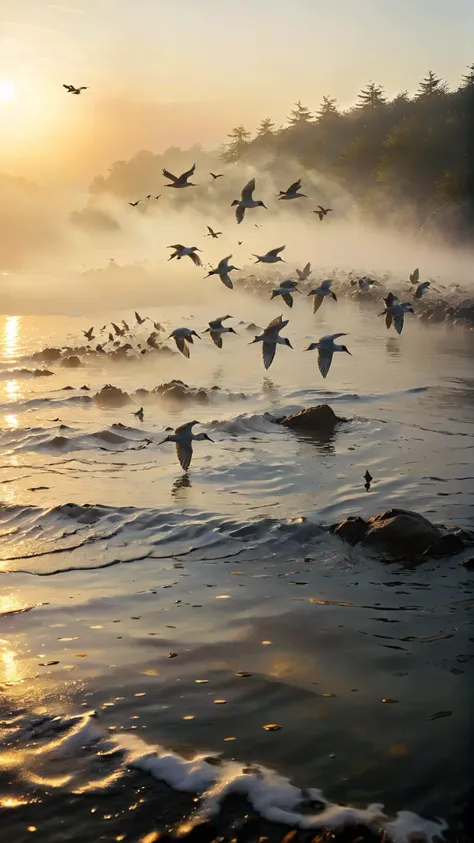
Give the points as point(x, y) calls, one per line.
point(7, 90)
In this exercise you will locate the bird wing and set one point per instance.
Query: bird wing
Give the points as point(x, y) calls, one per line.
point(169, 175)
point(275, 252)
point(326, 285)
point(268, 352)
point(318, 300)
point(225, 278)
point(388, 319)
point(248, 190)
point(138, 317)
point(210, 230)
point(320, 214)
point(184, 454)
point(177, 247)
point(195, 259)
point(116, 328)
point(288, 299)
point(223, 263)
point(239, 213)
point(301, 275)
point(182, 347)
point(277, 323)
point(290, 283)
point(294, 187)
point(398, 321)
point(185, 176)
point(216, 339)
point(307, 270)
point(333, 336)
point(68, 87)
point(323, 210)
point(324, 360)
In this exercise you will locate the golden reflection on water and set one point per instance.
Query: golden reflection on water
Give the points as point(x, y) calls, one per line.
point(11, 336)
point(9, 663)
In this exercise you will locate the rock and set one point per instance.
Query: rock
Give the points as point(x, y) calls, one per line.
point(40, 373)
point(177, 390)
point(317, 419)
point(468, 563)
point(448, 545)
point(71, 362)
point(111, 396)
point(352, 530)
point(47, 355)
point(401, 533)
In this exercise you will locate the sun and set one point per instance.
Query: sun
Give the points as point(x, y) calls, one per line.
point(7, 90)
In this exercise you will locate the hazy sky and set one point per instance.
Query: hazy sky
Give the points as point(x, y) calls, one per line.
point(244, 59)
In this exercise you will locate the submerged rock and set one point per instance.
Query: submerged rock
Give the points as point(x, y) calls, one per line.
point(47, 355)
point(177, 390)
point(316, 419)
point(400, 533)
point(71, 362)
point(111, 396)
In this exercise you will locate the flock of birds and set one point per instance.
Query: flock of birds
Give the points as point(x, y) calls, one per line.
point(270, 337)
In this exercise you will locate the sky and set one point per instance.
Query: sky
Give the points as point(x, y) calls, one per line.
point(164, 72)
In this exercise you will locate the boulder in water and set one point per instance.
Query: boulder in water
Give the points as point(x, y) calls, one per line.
point(352, 529)
point(400, 533)
point(71, 362)
point(111, 397)
point(312, 419)
point(177, 390)
point(47, 355)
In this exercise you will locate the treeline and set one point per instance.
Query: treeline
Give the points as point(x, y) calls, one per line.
point(399, 159)
point(408, 155)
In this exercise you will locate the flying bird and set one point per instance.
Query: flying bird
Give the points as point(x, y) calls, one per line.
point(89, 335)
point(222, 270)
point(134, 204)
point(212, 233)
point(415, 276)
point(322, 212)
point(390, 299)
point(326, 348)
point(118, 331)
point(246, 201)
point(422, 289)
point(271, 338)
point(320, 294)
point(216, 329)
point(303, 274)
point(216, 175)
point(72, 90)
point(185, 251)
point(182, 336)
point(270, 257)
point(292, 192)
point(396, 314)
point(125, 325)
point(140, 319)
point(139, 414)
point(285, 290)
point(157, 197)
point(182, 180)
point(184, 437)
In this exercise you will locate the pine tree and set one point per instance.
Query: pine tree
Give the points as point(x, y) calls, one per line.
point(266, 128)
point(328, 108)
point(431, 86)
point(468, 78)
point(299, 114)
point(239, 138)
point(372, 96)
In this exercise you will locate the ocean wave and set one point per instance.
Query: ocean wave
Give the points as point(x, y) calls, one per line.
point(62, 739)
